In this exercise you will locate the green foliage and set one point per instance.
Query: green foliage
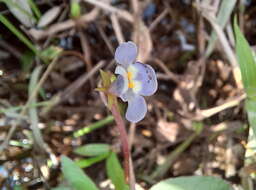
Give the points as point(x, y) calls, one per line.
point(75, 9)
point(61, 188)
point(107, 79)
point(116, 173)
point(89, 128)
point(27, 61)
point(84, 163)
point(193, 182)
point(75, 176)
point(248, 68)
point(223, 16)
point(18, 34)
point(35, 9)
point(93, 149)
point(50, 53)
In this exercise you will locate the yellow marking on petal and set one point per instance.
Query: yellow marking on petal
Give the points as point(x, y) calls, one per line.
point(131, 85)
point(129, 75)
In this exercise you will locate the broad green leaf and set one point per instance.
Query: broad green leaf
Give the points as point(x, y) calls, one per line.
point(251, 111)
point(246, 62)
point(193, 182)
point(248, 69)
point(115, 172)
point(92, 149)
point(75, 175)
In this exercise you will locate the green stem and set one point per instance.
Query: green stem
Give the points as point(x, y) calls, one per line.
point(89, 128)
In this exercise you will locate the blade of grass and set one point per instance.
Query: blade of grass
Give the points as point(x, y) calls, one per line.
point(35, 9)
point(89, 128)
point(84, 163)
point(223, 16)
point(16, 108)
point(18, 34)
point(163, 168)
point(38, 138)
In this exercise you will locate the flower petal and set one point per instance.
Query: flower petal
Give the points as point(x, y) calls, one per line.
point(128, 95)
point(147, 77)
point(126, 53)
point(122, 72)
point(136, 110)
point(119, 86)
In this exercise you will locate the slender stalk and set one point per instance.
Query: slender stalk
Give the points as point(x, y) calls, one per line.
point(124, 139)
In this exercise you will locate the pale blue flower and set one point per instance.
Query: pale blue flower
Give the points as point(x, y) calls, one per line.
point(134, 81)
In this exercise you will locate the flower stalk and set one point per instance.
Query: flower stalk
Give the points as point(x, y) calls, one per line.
point(124, 139)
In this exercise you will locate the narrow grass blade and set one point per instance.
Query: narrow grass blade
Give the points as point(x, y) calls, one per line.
point(84, 163)
point(18, 34)
point(94, 126)
point(38, 138)
point(35, 9)
point(223, 16)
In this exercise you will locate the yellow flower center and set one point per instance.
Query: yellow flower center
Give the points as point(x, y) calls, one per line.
point(130, 82)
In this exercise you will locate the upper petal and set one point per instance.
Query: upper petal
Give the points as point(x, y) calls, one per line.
point(126, 53)
point(146, 75)
point(137, 109)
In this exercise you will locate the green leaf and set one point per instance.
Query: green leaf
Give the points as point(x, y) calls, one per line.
point(75, 175)
point(34, 8)
point(224, 13)
point(246, 62)
point(248, 68)
point(89, 128)
point(75, 9)
point(192, 182)
point(115, 172)
point(92, 149)
point(84, 163)
point(18, 34)
point(61, 188)
point(50, 53)
point(27, 61)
